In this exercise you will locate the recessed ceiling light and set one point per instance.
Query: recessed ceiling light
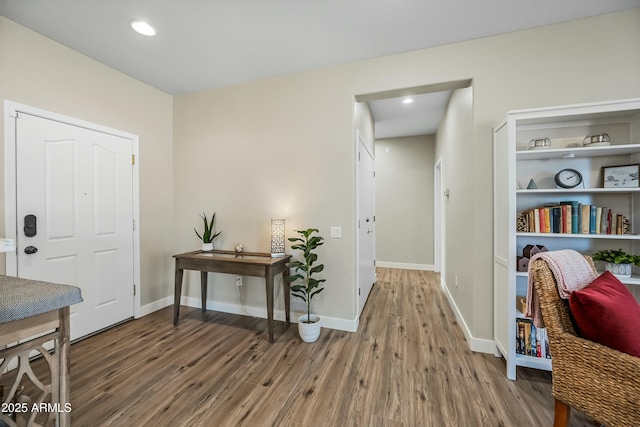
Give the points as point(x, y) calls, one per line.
point(142, 27)
point(407, 101)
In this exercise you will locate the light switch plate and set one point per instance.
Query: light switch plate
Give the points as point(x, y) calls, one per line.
point(336, 232)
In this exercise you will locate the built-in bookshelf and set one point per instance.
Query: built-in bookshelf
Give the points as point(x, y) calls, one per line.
point(516, 166)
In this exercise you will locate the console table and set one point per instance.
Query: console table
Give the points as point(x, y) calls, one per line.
point(33, 313)
point(242, 264)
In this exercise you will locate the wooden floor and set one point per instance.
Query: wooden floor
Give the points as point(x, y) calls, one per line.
point(408, 365)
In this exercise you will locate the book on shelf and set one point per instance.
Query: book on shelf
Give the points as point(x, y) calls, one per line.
point(531, 341)
point(572, 217)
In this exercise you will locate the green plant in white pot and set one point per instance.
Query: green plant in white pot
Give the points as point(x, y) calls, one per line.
point(308, 286)
point(208, 234)
point(617, 262)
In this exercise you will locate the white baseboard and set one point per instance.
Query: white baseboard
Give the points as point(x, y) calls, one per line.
point(261, 312)
point(475, 344)
point(155, 306)
point(405, 266)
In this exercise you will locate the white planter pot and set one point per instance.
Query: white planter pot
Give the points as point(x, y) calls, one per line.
point(206, 247)
point(309, 332)
point(619, 270)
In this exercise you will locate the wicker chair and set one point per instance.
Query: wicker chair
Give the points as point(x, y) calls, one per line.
point(597, 380)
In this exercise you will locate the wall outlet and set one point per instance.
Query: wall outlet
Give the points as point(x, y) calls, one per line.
point(238, 280)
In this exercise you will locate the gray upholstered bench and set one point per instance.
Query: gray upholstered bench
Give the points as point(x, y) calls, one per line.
point(33, 313)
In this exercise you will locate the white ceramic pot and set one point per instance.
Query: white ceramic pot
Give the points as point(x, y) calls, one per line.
point(206, 247)
point(619, 270)
point(309, 332)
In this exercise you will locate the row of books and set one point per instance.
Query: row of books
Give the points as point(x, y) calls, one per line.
point(531, 341)
point(573, 218)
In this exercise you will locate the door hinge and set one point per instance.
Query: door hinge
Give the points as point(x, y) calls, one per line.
point(374, 174)
point(358, 223)
point(374, 218)
point(358, 291)
point(134, 290)
point(358, 156)
point(374, 262)
point(133, 159)
point(134, 224)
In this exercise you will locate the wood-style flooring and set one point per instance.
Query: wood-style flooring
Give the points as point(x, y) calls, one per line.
point(408, 365)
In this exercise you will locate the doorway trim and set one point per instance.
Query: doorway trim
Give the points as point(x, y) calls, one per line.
point(11, 110)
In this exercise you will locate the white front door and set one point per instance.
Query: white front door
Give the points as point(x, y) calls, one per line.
point(366, 224)
point(75, 185)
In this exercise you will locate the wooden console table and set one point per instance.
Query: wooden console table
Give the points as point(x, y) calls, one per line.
point(33, 313)
point(242, 264)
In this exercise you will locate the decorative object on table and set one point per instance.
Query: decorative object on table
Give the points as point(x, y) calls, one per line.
point(623, 176)
point(277, 237)
point(308, 324)
point(208, 234)
point(239, 247)
point(617, 262)
point(600, 140)
point(568, 178)
point(539, 144)
point(532, 185)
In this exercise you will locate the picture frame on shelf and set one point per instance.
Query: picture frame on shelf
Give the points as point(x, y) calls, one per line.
point(621, 176)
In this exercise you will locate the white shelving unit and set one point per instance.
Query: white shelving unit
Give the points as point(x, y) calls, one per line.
point(515, 165)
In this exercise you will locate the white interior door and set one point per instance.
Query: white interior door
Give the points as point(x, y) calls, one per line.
point(77, 185)
point(366, 224)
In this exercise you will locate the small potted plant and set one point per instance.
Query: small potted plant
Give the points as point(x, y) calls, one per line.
point(309, 286)
point(209, 233)
point(617, 262)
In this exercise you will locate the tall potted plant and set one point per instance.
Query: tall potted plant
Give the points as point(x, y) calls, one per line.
point(309, 286)
point(208, 234)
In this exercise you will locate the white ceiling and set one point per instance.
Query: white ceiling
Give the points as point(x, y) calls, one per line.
point(393, 118)
point(204, 44)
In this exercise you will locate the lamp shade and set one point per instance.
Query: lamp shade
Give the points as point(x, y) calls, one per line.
point(277, 237)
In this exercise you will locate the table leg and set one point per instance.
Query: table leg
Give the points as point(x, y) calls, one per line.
point(269, 285)
point(203, 287)
point(176, 294)
point(286, 288)
point(64, 362)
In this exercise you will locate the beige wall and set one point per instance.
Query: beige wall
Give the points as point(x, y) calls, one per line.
point(404, 201)
point(38, 72)
point(454, 142)
point(284, 146)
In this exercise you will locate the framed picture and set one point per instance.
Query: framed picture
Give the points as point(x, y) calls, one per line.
point(624, 176)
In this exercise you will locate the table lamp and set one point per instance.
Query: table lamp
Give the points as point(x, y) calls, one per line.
point(277, 237)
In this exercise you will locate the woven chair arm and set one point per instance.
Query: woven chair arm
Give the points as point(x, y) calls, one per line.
point(597, 380)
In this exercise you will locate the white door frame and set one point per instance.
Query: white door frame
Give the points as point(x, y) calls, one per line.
point(438, 223)
point(11, 110)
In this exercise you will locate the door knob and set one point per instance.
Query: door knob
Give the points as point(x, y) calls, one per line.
point(29, 250)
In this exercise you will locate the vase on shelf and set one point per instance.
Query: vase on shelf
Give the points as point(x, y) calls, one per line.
point(207, 247)
point(619, 270)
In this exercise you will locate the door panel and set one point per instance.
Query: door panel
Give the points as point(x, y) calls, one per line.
point(366, 224)
point(79, 184)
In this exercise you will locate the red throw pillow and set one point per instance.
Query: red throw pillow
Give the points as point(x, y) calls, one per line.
point(607, 313)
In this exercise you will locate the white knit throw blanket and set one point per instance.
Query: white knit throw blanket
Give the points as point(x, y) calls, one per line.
point(571, 271)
